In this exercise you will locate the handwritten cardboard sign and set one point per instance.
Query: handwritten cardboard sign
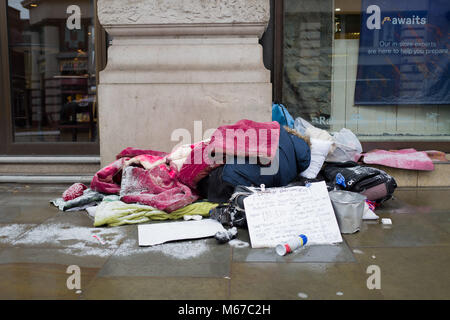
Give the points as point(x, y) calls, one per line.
point(279, 214)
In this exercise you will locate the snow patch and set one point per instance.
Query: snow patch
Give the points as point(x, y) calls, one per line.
point(62, 234)
point(8, 233)
point(179, 250)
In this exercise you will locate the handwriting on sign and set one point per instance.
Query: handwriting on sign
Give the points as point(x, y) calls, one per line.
point(279, 214)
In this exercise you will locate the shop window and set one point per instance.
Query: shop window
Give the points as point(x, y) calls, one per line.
point(378, 67)
point(52, 70)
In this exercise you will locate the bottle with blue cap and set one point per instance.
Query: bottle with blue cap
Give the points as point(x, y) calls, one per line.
point(291, 245)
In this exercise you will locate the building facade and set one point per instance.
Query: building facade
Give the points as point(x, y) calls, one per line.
point(377, 68)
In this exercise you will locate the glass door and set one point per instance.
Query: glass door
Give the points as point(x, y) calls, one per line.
point(50, 67)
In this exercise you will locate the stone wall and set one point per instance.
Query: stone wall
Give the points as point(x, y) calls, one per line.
point(173, 63)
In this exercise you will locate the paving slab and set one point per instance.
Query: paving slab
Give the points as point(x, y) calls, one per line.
point(196, 258)
point(298, 281)
point(330, 253)
point(407, 230)
point(411, 273)
point(38, 243)
point(26, 213)
point(147, 288)
point(424, 200)
point(41, 274)
point(19, 198)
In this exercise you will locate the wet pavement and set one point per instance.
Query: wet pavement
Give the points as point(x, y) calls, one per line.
point(38, 243)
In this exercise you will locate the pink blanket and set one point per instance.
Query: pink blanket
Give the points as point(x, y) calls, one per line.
point(109, 178)
point(409, 159)
point(133, 152)
point(156, 179)
point(157, 188)
point(197, 166)
point(247, 139)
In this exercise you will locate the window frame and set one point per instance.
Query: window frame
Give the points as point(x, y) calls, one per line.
point(7, 144)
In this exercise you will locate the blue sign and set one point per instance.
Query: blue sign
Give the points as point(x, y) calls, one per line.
point(404, 53)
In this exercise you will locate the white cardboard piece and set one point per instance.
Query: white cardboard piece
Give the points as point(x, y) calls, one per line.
point(159, 233)
point(279, 214)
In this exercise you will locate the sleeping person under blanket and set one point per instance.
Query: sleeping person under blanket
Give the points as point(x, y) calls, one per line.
point(293, 157)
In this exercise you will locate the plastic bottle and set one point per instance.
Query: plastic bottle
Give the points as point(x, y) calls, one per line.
point(291, 245)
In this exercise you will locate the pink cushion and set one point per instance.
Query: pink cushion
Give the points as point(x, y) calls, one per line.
point(403, 159)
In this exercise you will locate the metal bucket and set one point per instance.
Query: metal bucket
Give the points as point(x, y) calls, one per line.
point(349, 209)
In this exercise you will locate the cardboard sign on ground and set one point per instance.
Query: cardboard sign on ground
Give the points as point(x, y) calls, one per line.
point(279, 214)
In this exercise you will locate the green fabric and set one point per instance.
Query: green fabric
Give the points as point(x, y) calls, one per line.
point(118, 213)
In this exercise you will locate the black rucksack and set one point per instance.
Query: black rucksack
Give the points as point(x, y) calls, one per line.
point(374, 183)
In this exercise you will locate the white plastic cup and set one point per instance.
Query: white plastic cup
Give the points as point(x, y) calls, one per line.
point(291, 245)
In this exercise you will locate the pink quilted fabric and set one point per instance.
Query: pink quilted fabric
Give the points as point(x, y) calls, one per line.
point(409, 159)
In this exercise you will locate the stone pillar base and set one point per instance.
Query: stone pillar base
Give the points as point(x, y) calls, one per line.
point(170, 67)
point(149, 114)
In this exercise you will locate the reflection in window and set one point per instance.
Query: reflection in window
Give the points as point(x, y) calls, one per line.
point(339, 73)
point(53, 73)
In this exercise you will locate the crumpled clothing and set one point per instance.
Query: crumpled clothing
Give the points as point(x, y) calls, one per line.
point(89, 198)
point(409, 159)
point(118, 213)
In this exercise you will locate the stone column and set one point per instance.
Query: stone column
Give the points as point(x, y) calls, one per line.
point(175, 62)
